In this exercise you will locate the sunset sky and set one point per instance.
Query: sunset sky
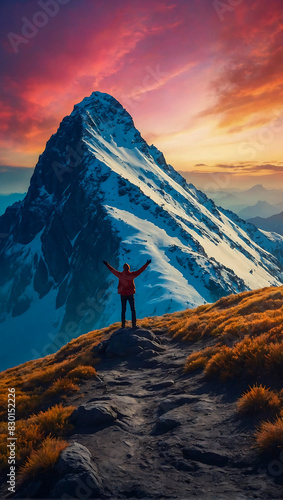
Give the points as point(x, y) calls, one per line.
point(202, 79)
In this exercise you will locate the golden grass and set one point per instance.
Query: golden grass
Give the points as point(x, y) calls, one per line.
point(248, 331)
point(199, 359)
point(43, 459)
point(39, 384)
point(36, 382)
point(3, 448)
point(250, 358)
point(61, 386)
point(82, 372)
point(230, 318)
point(269, 436)
point(259, 399)
point(53, 421)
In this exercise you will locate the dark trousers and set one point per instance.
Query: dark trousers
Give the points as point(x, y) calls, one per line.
point(131, 299)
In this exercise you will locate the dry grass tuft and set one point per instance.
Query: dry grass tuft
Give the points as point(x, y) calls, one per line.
point(61, 386)
point(43, 459)
point(53, 421)
point(259, 399)
point(31, 432)
point(250, 359)
point(269, 436)
point(81, 372)
point(230, 318)
point(29, 436)
point(200, 359)
point(34, 380)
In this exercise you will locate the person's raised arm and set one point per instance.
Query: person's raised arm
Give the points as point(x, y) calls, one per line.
point(113, 271)
point(143, 268)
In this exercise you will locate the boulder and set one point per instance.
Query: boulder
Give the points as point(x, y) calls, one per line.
point(94, 414)
point(129, 342)
point(99, 349)
point(165, 424)
point(75, 458)
point(78, 475)
point(167, 405)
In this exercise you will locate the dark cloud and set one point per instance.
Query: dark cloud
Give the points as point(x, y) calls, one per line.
point(251, 168)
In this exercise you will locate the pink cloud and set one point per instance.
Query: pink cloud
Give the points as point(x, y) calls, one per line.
point(157, 58)
point(251, 80)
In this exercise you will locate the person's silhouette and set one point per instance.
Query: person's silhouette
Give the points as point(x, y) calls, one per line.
point(127, 289)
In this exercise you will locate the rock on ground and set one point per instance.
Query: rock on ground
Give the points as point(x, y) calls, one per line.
point(93, 415)
point(78, 474)
point(127, 342)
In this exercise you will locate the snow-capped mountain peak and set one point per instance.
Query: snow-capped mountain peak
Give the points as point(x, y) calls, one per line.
point(100, 192)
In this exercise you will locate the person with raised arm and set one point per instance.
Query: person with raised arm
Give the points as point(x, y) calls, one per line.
point(127, 289)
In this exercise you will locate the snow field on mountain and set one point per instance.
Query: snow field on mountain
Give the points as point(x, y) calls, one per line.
point(131, 163)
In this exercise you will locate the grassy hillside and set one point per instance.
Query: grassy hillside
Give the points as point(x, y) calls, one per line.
point(42, 387)
point(239, 339)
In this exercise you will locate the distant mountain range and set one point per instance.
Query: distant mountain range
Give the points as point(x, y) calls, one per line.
point(8, 199)
point(100, 192)
point(256, 201)
point(273, 223)
point(260, 209)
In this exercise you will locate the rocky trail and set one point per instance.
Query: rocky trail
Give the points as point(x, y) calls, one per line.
point(144, 429)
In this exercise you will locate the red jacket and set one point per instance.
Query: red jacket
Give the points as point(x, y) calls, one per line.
point(126, 284)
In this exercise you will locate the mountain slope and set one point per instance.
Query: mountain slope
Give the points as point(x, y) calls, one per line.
point(140, 426)
point(100, 192)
